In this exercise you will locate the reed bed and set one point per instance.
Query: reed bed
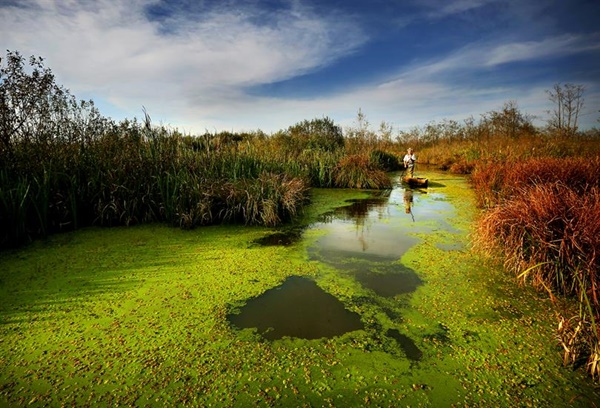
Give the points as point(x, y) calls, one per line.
point(318, 166)
point(132, 175)
point(543, 218)
point(500, 180)
point(385, 160)
point(268, 200)
point(358, 171)
point(461, 154)
point(63, 166)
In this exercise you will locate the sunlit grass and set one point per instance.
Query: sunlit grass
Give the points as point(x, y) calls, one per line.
point(132, 173)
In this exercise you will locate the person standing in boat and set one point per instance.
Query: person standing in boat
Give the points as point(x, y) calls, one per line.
point(409, 162)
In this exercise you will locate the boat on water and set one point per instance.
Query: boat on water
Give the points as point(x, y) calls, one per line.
point(416, 182)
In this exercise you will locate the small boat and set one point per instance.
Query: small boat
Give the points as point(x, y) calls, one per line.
point(416, 182)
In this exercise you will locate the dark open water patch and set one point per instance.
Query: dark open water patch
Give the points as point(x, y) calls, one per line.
point(296, 308)
point(282, 238)
point(358, 208)
point(408, 346)
point(389, 284)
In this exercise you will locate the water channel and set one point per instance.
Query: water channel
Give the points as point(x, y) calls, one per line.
point(400, 291)
point(363, 241)
point(371, 299)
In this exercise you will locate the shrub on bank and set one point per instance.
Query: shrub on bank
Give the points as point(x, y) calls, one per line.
point(498, 181)
point(385, 160)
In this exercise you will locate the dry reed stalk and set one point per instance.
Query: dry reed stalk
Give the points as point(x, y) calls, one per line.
point(594, 360)
point(356, 171)
point(268, 200)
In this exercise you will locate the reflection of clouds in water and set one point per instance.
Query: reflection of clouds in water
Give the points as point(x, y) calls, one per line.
point(383, 226)
point(424, 205)
point(376, 238)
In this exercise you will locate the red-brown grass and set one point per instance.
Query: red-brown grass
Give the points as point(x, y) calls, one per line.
point(458, 155)
point(543, 219)
point(498, 181)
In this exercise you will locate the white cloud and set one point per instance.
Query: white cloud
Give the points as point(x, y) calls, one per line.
point(444, 8)
point(429, 91)
point(549, 47)
point(414, 95)
point(477, 55)
point(110, 49)
point(191, 70)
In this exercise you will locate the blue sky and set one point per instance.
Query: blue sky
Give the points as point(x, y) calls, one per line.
point(268, 64)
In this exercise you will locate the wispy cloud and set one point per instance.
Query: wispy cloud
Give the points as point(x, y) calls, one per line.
point(442, 8)
point(477, 55)
point(553, 47)
point(435, 89)
point(112, 49)
point(190, 63)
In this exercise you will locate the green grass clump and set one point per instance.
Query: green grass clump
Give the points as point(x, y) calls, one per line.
point(385, 160)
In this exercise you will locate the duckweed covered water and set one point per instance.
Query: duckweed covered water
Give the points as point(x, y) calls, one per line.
point(139, 316)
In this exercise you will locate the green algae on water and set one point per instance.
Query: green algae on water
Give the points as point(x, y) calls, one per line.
point(138, 316)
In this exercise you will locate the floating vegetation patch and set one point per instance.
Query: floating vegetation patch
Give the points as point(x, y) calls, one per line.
point(142, 316)
point(454, 246)
point(296, 308)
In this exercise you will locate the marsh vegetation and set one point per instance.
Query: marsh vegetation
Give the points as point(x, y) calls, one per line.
point(64, 166)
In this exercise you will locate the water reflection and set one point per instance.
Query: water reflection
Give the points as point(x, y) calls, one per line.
point(359, 210)
point(363, 240)
point(408, 202)
point(363, 229)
